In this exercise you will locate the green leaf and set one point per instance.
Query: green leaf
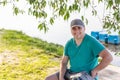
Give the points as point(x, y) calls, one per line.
point(42, 26)
point(119, 32)
point(16, 10)
point(43, 3)
point(31, 1)
point(95, 12)
point(40, 14)
point(4, 3)
point(61, 11)
point(61, 1)
point(117, 1)
point(86, 3)
point(86, 21)
point(45, 28)
point(110, 4)
point(44, 14)
point(99, 1)
point(118, 27)
point(53, 5)
point(118, 17)
point(76, 1)
point(75, 6)
point(51, 20)
point(109, 32)
point(66, 16)
point(82, 17)
point(79, 8)
point(70, 8)
point(36, 14)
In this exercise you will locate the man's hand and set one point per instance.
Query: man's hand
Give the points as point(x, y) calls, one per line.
point(94, 73)
point(62, 79)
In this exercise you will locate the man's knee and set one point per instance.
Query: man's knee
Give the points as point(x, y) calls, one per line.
point(52, 77)
point(47, 78)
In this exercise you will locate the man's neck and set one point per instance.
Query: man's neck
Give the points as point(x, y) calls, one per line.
point(78, 41)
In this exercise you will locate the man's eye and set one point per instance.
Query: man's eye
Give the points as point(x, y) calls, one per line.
point(79, 27)
point(73, 28)
point(76, 28)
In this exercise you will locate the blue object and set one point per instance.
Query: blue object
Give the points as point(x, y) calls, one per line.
point(103, 37)
point(114, 39)
point(95, 34)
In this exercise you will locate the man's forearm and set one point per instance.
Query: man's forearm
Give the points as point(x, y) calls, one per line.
point(62, 71)
point(104, 63)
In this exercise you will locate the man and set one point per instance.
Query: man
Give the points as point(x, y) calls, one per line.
point(82, 51)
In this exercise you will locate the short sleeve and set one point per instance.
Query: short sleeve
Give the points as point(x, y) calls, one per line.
point(66, 49)
point(96, 47)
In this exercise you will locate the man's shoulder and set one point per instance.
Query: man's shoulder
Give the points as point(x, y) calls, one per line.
point(90, 38)
point(69, 42)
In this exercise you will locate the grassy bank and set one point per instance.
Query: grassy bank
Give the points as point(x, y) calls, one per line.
point(26, 58)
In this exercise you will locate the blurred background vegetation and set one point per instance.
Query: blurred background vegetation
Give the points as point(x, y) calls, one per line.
point(26, 58)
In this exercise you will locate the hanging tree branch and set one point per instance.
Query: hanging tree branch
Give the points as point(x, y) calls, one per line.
point(46, 11)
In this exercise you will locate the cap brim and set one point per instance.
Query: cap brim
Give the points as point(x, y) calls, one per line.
point(77, 26)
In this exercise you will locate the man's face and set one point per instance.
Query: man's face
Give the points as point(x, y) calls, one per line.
point(78, 32)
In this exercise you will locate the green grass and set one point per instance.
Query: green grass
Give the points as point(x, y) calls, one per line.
point(27, 58)
point(118, 53)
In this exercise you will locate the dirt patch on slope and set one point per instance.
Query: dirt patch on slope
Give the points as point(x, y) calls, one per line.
point(8, 57)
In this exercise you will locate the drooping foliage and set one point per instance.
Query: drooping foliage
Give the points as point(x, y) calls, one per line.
point(48, 10)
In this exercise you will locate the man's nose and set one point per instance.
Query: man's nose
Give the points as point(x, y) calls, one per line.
point(77, 30)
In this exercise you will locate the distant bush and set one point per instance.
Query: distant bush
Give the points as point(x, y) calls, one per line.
point(12, 37)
